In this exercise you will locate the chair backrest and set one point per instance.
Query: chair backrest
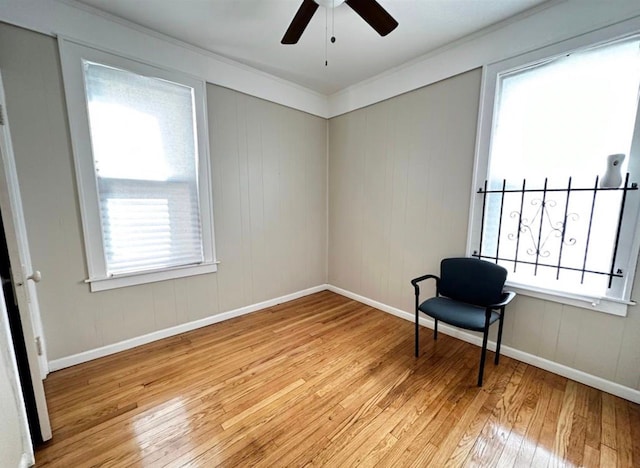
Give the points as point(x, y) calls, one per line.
point(471, 280)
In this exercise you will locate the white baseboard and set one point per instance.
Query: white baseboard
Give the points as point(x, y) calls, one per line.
point(579, 376)
point(551, 366)
point(85, 356)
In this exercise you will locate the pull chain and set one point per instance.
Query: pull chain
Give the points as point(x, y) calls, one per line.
point(326, 31)
point(333, 23)
point(326, 36)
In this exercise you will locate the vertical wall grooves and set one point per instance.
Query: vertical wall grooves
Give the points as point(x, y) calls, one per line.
point(254, 146)
point(303, 202)
point(400, 184)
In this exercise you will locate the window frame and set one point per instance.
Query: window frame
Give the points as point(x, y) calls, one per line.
point(72, 54)
point(629, 246)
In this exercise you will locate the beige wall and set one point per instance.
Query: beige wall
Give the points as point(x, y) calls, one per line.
point(269, 189)
point(399, 187)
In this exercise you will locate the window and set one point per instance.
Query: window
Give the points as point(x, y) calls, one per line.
point(548, 124)
point(141, 155)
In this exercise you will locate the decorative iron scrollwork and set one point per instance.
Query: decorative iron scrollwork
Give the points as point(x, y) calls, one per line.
point(545, 223)
point(543, 214)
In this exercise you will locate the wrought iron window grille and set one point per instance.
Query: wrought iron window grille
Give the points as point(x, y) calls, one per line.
point(536, 226)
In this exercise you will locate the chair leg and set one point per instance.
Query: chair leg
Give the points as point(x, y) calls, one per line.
point(483, 355)
point(435, 329)
point(497, 358)
point(417, 334)
point(485, 337)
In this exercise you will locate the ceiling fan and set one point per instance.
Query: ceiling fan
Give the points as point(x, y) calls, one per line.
point(369, 10)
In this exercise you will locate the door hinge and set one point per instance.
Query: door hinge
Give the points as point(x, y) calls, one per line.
point(39, 345)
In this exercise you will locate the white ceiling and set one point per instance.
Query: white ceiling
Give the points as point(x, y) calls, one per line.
point(249, 31)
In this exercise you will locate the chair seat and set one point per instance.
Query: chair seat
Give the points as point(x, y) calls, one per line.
point(455, 313)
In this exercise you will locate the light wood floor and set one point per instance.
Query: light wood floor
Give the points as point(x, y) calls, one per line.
point(327, 381)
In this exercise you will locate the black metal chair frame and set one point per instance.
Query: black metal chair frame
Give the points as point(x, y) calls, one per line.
point(507, 296)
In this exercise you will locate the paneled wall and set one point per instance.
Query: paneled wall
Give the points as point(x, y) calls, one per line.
point(399, 186)
point(269, 190)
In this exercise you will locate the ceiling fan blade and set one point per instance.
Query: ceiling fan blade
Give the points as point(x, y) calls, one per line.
point(374, 14)
point(299, 22)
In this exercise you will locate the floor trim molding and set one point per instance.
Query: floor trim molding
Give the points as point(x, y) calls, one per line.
point(96, 353)
point(551, 366)
point(579, 376)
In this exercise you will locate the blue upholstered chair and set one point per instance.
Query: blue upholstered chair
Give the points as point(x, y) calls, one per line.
point(469, 295)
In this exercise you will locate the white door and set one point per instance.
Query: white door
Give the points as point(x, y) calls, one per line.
point(14, 429)
point(23, 275)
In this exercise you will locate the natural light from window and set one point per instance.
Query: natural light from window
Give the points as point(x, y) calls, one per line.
point(555, 120)
point(145, 159)
point(136, 153)
point(563, 118)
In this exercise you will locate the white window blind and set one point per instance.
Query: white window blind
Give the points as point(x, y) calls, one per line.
point(141, 153)
point(143, 141)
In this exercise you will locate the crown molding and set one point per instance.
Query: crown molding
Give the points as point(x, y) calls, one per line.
point(551, 22)
point(548, 24)
point(92, 26)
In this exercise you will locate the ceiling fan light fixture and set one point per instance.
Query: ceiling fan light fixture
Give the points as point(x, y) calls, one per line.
point(329, 3)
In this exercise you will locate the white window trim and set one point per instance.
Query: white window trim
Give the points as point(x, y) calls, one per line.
point(630, 238)
point(72, 53)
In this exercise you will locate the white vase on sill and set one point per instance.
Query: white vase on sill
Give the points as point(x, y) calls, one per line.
point(612, 177)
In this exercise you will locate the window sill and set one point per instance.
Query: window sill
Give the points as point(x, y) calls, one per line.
point(133, 279)
point(606, 305)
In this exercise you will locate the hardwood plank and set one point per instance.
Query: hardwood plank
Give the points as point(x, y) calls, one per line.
point(565, 422)
point(490, 441)
point(543, 452)
point(608, 456)
point(373, 457)
point(594, 420)
point(404, 399)
point(423, 418)
point(225, 439)
point(577, 438)
point(468, 439)
point(608, 433)
point(326, 381)
point(368, 410)
point(624, 444)
point(532, 387)
point(420, 448)
point(576, 448)
point(591, 458)
point(634, 422)
point(229, 443)
point(460, 419)
point(532, 435)
point(258, 406)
